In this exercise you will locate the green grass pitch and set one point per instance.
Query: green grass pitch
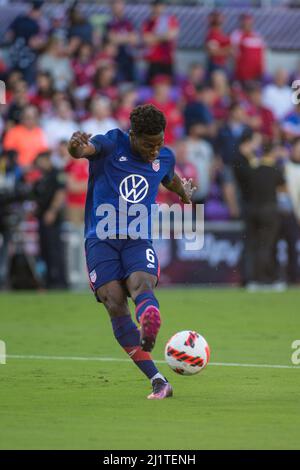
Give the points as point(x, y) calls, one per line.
point(76, 404)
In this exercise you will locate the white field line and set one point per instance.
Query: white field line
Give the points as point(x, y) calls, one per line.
point(116, 359)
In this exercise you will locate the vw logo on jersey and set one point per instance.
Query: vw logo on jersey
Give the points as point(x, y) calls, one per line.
point(134, 188)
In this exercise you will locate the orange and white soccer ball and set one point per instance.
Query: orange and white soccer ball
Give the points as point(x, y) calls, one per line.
point(187, 353)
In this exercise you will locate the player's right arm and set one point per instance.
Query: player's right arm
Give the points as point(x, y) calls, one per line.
point(80, 146)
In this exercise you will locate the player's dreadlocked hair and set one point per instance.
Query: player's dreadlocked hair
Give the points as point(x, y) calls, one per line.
point(147, 120)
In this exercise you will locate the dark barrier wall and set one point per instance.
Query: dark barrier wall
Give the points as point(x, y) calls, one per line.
point(218, 262)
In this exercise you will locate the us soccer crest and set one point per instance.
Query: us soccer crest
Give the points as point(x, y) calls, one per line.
point(93, 276)
point(156, 165)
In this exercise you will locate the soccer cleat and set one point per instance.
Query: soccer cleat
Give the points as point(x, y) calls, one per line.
point(150, 325)
point(161, 389)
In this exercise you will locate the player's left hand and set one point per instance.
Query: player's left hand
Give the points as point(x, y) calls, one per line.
point(189, 188)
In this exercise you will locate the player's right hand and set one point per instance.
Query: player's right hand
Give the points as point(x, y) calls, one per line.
point(79, 139)
point(189, 188)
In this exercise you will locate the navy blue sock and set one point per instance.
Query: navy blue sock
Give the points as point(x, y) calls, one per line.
point(143, 301)
point(128, 336)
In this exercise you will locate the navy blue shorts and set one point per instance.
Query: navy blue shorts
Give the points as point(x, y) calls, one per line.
point(114, 260)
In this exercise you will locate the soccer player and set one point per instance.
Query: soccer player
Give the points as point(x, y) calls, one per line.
point(129, 168)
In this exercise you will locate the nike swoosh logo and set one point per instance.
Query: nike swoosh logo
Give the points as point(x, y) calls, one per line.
point(131, 353)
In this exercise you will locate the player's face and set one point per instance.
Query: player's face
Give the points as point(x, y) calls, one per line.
point(147, 146)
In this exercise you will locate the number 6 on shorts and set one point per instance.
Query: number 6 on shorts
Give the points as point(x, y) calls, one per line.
point(150, 255)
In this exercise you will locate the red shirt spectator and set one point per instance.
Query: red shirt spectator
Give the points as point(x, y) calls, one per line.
point(41, 96)
point(77, 177)
point(107, 55)
point(260, 118)
point(3, 66)
point(174, 119)
point(122, 34)
point(216, 38)
point(217, 43)
point(20, 99)
point(12, 81)
point(222, 96)
point(195, 78)
point(249, 47)
point(162, 51)
point(220, 108)
point(160, 33)
point(104, 82)
point(120, 26)
point(43, 103)
point(187, 170)
point(164, 196)
point(83, 65)
point(127, 103)
point(170, 109)
point(184, 169)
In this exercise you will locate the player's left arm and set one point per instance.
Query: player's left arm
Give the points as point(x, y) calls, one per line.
point(181, 186)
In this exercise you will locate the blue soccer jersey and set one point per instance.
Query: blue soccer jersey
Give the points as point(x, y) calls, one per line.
point(121, 180)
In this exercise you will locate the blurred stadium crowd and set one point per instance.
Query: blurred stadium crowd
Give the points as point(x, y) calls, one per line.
point(234, 126)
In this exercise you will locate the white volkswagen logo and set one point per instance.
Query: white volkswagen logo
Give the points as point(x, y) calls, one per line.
point(134, 188)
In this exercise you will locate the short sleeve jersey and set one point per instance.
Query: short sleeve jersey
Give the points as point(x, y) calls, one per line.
point(121, 180)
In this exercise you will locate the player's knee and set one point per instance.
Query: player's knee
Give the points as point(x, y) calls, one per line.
point(115, 307)
point(140, 286)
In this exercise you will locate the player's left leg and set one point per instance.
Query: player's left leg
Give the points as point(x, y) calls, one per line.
point(141, 267)
point(114, 297)
point(141, 285)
